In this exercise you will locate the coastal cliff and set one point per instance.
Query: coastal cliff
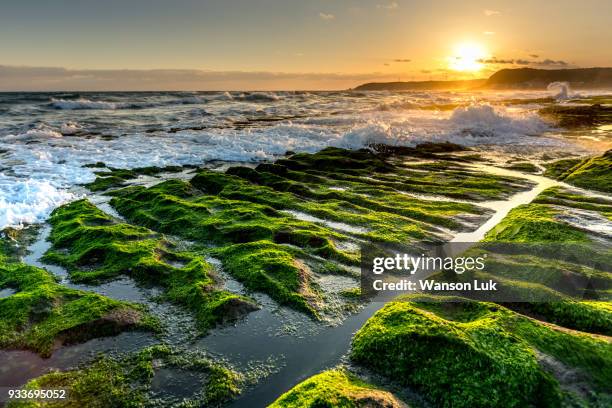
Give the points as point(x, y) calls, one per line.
point(520, 78)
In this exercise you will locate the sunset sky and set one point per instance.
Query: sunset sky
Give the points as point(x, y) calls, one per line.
point(270, 44)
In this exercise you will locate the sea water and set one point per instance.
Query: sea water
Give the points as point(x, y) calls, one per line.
point(47, 139)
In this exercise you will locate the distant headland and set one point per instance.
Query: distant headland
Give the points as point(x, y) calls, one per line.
point(520, 78)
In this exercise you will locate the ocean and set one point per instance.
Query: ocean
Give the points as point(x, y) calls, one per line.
point(47, 139)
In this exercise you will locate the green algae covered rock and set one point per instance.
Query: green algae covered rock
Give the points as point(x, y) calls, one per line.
point(558, 169)
point(534, 223)
point(577, 116)
point(593, 173)
point(117, 177)
point(42, 314)
point(336, 388)
point(126, 382)
point(460, 355)
point(464, 353)
point(578, 256)
point(525, 167)
point(95, 247)
point(268, 267)
point(274, 226)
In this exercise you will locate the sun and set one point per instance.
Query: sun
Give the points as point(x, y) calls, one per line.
point(467, 57)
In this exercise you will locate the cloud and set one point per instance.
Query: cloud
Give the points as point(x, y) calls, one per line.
point(20, 78)
point(488, 32)
point(389, 6)
point(401, 60)
point(521, 61)
point(326, 17)
point(549, 62)
point(534, 55)
point(496, 61)
point(490, 13)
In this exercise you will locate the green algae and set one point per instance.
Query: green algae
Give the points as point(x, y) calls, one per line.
point(561, 197)
point(105, 383)
point(305, 174)
point(550, 291)
point(584, 316)
point(534, 223)
point(126, 381)
point(117, 177)
point(473, 362)
point(95, 247)
point(307, 207)
point(593, 173)
point(539, 222)
point(176, 207)
point(591, 354)
point(419, 344)
point(336, 388)
point(360, 217)
point(352, 293)
point(361, 161)
point(578, 116)
point(560, 168)
point(525, 167)
point(43, 314)
point(267, 267)
point(258, 245)
point(457, 181)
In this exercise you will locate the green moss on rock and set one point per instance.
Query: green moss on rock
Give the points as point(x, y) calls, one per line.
point(270, 268)
point(474, 354)
point(43, 314)
point(525, 167)
point(534, 223)
point(559, 169)
point(336, 388)
point(117, 177)
point(125, 382)
point(95, 247)
point(576, 116)
point(593, 173)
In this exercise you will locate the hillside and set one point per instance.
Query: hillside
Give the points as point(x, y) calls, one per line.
point(421, 85)
point(520, 78)
point(540, 78)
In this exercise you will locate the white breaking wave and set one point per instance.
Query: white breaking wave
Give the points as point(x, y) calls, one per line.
point(259, 96)
point(561, 90)
point(484, 120)
point(82, 103)
point(28, 201)
point(37, 133)
point(470, 126)
point(44, 165)
point(70, 128)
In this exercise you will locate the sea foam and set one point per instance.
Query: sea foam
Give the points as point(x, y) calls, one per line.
point(28, 201)
point(82, 103)
point(40, 165)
